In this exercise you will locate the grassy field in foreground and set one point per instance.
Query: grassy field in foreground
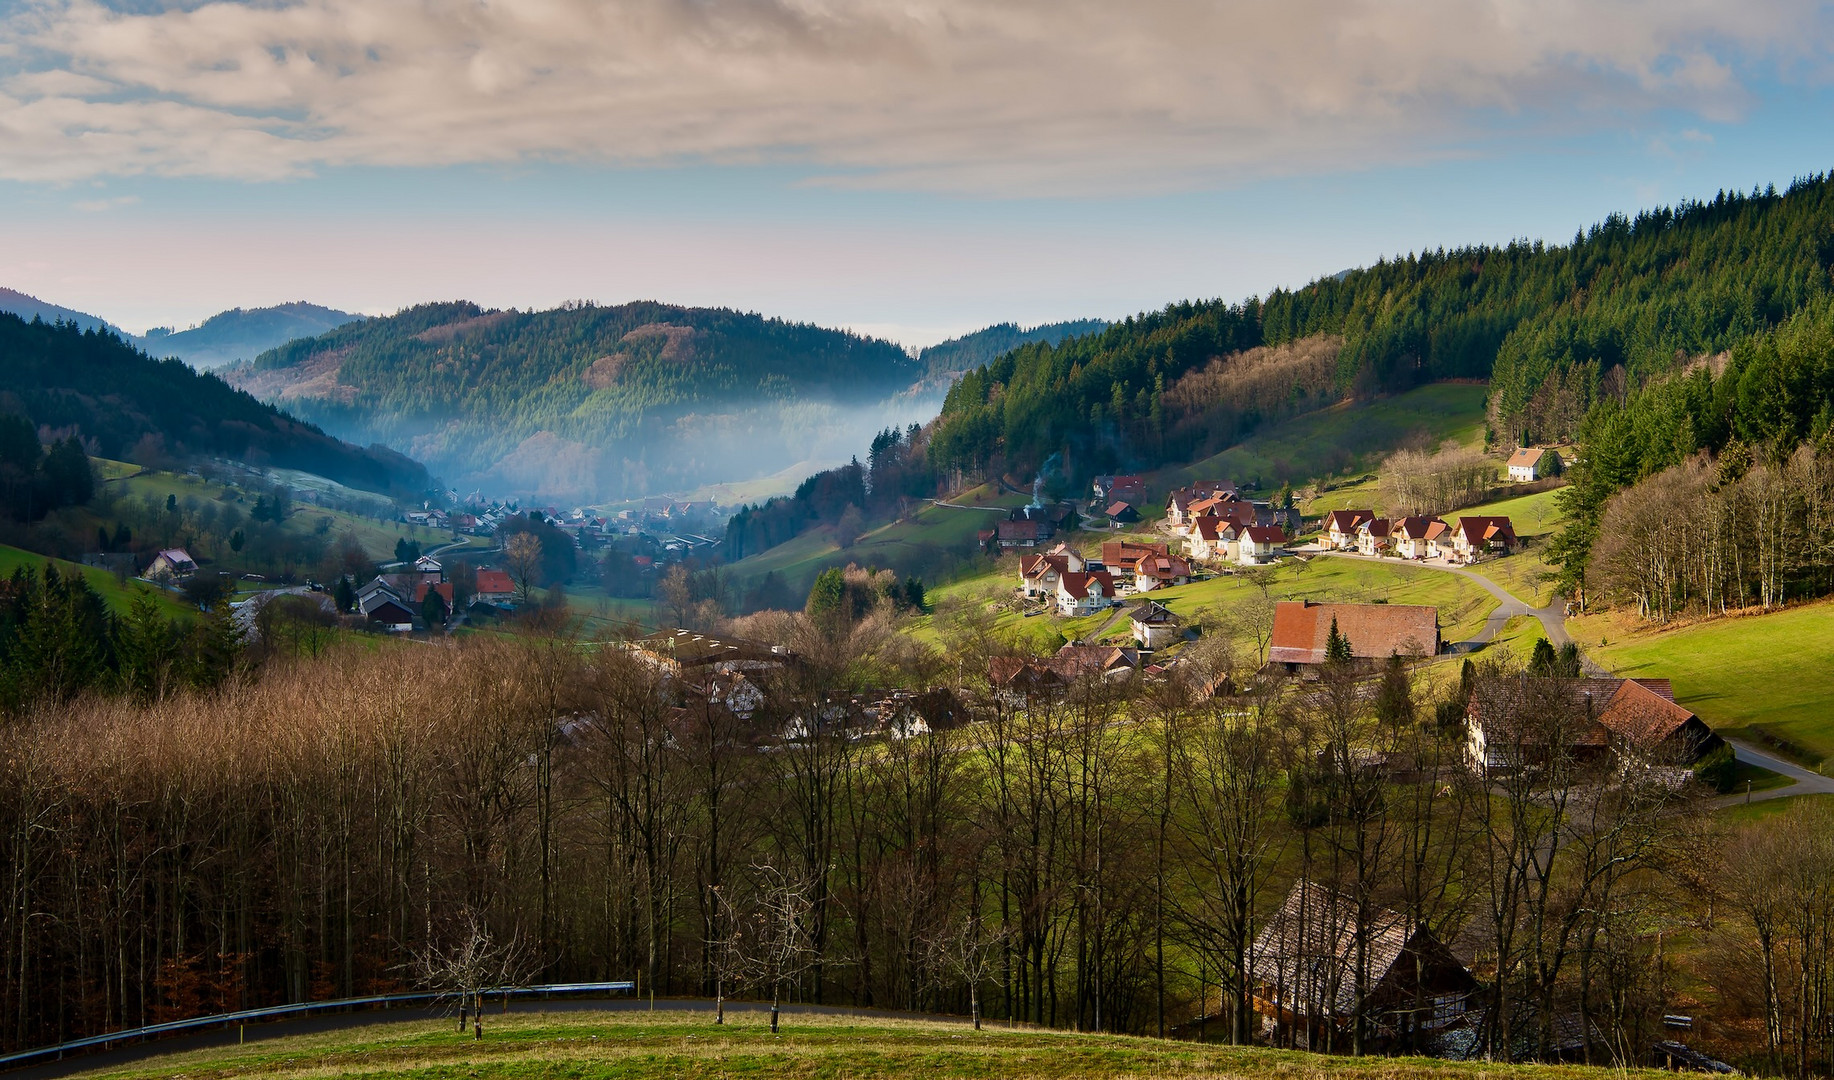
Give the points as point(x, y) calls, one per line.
point(665, 1045)
point(1756, 677)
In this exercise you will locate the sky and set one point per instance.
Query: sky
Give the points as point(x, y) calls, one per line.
point(910, 169)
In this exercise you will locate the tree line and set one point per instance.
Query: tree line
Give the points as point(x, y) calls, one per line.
point(1555, 328)
point(1103, 859)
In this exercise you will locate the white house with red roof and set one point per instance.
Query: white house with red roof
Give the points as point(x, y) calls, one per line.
point(1085, 592)
point(1475, 537)
point(1259, 544)
point(1530, 463)
point(1340, 528)
point(1417, 537)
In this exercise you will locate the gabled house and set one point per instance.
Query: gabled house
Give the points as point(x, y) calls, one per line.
point(1325, 962)
point(1302, 628)
point(1511, 723)
point(171, 563)
point(443, 588)
point(1417, 537)
point(1372, 537)
point(1475, 537)
point(1024, 533)
point(1122, 556)
point(1157, 571)
point(1085, 592)
point(429, 569)
point(1108, 489)
point(1178, 503)
point(495, 587)
point(1039, 574)
point(1259, 544)
point(1122, 513)
point(1340, 531)
point(385, 608)
point(1532, 463)
point(1154, 625)
point(1213, 540)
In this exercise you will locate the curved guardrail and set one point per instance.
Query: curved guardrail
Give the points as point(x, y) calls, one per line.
point(274, 1012)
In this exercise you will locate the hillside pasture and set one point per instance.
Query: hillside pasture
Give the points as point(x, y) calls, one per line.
point(118, 594)
point(1765, 678)
point(1352, 437)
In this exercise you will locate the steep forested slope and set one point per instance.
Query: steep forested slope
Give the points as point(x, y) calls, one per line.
point(1554, 327)
point(585, 400)
point(72, 381)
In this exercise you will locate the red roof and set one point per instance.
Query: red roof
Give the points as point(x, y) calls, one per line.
point(1077, 584)
point(494, 583)
point(1265, 534)
point(1479, 531)
point(1377, 527)
point(1215, 528)
point(1420, 528)
point(1163, 568)
point(1641, 713)
point(444, 589)
point(1375, 631)
point(1346, 521)
point(1123, 555)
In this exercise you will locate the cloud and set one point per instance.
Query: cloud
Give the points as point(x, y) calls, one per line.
point(1020, 96)
point(97, 206)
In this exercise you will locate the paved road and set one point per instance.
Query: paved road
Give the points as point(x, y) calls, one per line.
point(1552, 617)
point(1806, 782)
point(342, 1021)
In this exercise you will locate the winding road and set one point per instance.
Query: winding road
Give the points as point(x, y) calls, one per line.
point(1553, 623)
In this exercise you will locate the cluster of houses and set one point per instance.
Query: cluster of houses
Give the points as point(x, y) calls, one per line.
point(1073, 585)
point(1468, 540)
point(1219, 526)
point(1118, 498)
point(393, 601)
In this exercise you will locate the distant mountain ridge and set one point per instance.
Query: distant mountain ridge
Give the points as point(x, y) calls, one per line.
point(224, 338)
point(593, 402)
point(243, 334)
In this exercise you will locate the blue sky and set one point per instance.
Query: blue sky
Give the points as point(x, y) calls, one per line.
point(911, 170)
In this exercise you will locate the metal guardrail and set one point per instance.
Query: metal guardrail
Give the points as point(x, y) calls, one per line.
point(273, 1012)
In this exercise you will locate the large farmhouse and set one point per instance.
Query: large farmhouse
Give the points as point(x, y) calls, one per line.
point(1375, 631)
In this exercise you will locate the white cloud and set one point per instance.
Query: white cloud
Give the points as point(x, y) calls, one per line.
point(97, 206)
point(1060, 96)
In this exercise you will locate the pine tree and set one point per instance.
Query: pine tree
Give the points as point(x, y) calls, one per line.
point(344, 594)
point(1337, 646)
point(433, 609)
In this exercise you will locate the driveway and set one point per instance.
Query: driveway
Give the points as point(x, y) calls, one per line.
point(1552, 617)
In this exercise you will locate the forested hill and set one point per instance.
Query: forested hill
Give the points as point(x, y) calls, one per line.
point(72, 381)
point(973, 350)
point(244, 333)
point(592, 402)
point(1553, 327)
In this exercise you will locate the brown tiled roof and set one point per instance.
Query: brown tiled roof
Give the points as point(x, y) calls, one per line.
point(1265, 534)
point(1479, 531)
point(1077, 584)
point(1036, 565)
point(1420, 528)
point(1211, 528)
point(1639, 713)
point(1527, 455)
point(1123, 554)
point(1346, 521)
point(1377, 527)
point(1116, 509)
point(1375, 631)
point(1163, 567)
